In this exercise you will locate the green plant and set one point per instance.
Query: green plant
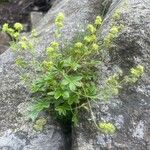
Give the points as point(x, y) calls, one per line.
point(65, 79)
point(107, 128)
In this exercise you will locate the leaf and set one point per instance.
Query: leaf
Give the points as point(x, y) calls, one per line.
point(73, 99)
point(51, 93)
point(67, 62)
point(79, 84)
point(58, 94)
point(75, 119)
point(77, 78)
point(33, 115)
point(61, 110)
point(65, 95)
point(34, 110)
point(64, 82)
point(72, 87)
point(75, 66)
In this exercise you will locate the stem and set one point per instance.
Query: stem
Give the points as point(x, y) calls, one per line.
point(92, 115)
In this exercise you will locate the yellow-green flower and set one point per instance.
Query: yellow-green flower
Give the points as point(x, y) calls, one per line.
point(18, 26)
point(34, 33)
point(50, 50)
point(47, 64)
point(23, 44)
point(93, 37)
point(87, 39)
point(137, 71)
point(91, 28)
point(107, 128)
point(114, 30)
point(59, 24)
point(117, 15)
point(24, 38)
point(60, 17)
point(16, 35)
point(140, 68)
point(5, 27)
point(78, 45)
point(10, 31)
point(95, 46)
point(90, 38)
point(98, 20)
point(54, 45)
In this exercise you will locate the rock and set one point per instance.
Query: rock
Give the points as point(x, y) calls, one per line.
point(130, 110)
point(4, 39)
point(16, 132)
point(19, 10)
point(4, 42)
point(35, 18)
point(3, 48)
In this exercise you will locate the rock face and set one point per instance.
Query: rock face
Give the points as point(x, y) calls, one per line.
point(16, 132)
point(19, 10)
point(4, 42)
point(130, 110)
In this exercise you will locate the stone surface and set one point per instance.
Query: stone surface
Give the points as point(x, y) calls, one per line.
point(16, 132)
point(4, 42)
point(19, 10)
point(130, 110)
point(35, 18)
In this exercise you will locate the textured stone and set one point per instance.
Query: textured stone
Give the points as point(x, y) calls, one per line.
point(130, 110)
point(35, 18)
point(4, 42)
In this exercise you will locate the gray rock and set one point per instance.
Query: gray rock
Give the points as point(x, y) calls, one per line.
point(16, 132)
point(4, 42)
point(35, 18)
point(130, 110)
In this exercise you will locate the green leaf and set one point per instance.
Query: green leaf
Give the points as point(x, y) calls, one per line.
point(75, 66)
point(72, 86)
point(73, 99)
point(67, 62)
point(64, 82)
point(33, 115)
point(65, 95)
point(75, 119)
point(77, 78)
point(51, 93)
point(61, 110)
point(58, 94)
point(36, 108)
point(79, 84)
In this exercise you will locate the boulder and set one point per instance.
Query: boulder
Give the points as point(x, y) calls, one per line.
point(16, 132)
point(130, 110)
point(4, 42)
point(35, 17)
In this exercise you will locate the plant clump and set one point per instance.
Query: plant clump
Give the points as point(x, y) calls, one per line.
point(65, 80)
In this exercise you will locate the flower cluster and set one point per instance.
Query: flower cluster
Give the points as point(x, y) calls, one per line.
point(135, 73)
point(59, 24)
point(113, 33)
point(13, 32)
point(107, 128)
point(98, 21)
